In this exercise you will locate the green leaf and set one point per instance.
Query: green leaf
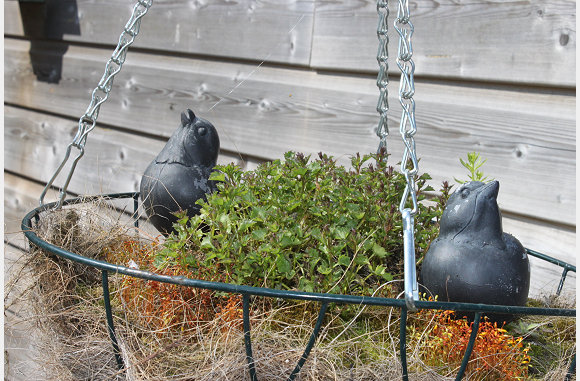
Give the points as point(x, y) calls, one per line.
point(249, 198)
point(306, 285)
point(289, 275)
point(225, 220)
point(190, 261)
point(299, 171)
point(379, 270)
point(531, 326)
point(324, 269)
point(355, 210)
point(283, 265)
point(182, 219)
point(344, 260)
point(293, 206)
point(387, 276)
point(258, 213)
point(379, 251)
point(217, 176)
point(314, 166)
point(259, 234)
point(318, 211)
point(206, 243)
point(273, 227)
point(288, 240)
point(361, 259)
point(340, 232)
point(245, 225)
point(316, 233)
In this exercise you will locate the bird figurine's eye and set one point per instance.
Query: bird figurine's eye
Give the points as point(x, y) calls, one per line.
point(201, 131)
point(464, 193)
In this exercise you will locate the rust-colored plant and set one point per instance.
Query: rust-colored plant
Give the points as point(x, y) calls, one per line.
point(230, 316)
point(496, 354)
point(162, 306)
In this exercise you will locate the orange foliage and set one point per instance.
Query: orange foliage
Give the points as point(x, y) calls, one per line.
point(162, 306)
point(496, 355)
point(231, 315)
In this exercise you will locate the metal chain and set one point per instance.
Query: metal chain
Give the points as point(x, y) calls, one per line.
point(383, 78)
point(100, 94)
point(407, 127)
point(409, 164)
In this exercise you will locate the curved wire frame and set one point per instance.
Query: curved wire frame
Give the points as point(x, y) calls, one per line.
point(324, 299)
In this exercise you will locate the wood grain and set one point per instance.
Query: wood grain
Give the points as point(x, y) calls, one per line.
point(272, 30)
point(552, 240)
point(509, 41)
point(527, 137)
point(36, 144)
point(530, 42)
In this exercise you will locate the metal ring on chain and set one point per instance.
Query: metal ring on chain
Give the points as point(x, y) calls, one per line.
point(100, 94)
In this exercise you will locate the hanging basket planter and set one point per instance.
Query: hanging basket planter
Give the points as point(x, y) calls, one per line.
point(356, 249)
point(247, 293)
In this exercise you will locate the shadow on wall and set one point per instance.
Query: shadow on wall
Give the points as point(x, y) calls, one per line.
point(45, 22)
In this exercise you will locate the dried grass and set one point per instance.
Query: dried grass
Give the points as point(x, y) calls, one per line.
point(76, 345)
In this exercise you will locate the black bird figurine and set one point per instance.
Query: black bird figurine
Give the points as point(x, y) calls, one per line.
point(179, 175)
point(473, 260)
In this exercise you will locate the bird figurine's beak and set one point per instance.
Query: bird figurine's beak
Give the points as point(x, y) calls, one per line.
point(491, 190)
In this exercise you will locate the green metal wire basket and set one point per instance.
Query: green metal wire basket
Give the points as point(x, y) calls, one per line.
point(33, 217)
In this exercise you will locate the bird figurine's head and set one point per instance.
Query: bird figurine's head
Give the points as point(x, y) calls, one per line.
point(195, 142)
point(472, 210)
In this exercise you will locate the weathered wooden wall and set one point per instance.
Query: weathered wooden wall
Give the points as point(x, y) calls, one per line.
point(497, 77)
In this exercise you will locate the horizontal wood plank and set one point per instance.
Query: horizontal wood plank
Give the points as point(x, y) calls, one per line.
point(530, 42)
point(552, 240)
point(527, 137)
point(36, 144)
point(509, 41)
point(276, 31)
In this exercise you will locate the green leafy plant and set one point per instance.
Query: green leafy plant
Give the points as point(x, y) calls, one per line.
point(473, 164)
point(302, 224)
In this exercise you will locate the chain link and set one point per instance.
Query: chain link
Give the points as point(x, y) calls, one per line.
point(383, 77)
point(407, 127)
point(100, 94)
